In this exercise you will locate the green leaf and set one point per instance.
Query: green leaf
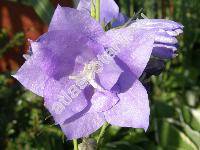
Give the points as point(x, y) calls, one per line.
point(170, 136)
point(192, 117)
point(44, 9)
point(192, 134)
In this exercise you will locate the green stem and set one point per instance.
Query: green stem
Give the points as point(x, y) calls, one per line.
point(98, 10)
point(75, 142)
point(103, 129)
point(93, 10)
point(131, 8)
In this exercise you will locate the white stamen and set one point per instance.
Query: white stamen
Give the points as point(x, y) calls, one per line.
point(89, 74)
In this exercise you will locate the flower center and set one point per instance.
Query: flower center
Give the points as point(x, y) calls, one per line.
point(88, 74)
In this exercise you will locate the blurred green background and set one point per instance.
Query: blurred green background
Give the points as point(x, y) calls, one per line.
point(175, 96)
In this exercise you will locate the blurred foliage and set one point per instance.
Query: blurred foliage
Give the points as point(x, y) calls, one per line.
point(23, 119)
point(175, 97)
point(43, 8)
point(5, 46)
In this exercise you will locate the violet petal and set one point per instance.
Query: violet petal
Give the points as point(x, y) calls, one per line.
point(83, 126)
point(132, 110)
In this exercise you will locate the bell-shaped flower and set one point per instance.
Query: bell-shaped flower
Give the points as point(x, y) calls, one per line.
point(88, 76)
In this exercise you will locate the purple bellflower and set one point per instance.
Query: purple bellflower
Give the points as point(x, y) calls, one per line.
point(64, 69)
point(165, 45)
